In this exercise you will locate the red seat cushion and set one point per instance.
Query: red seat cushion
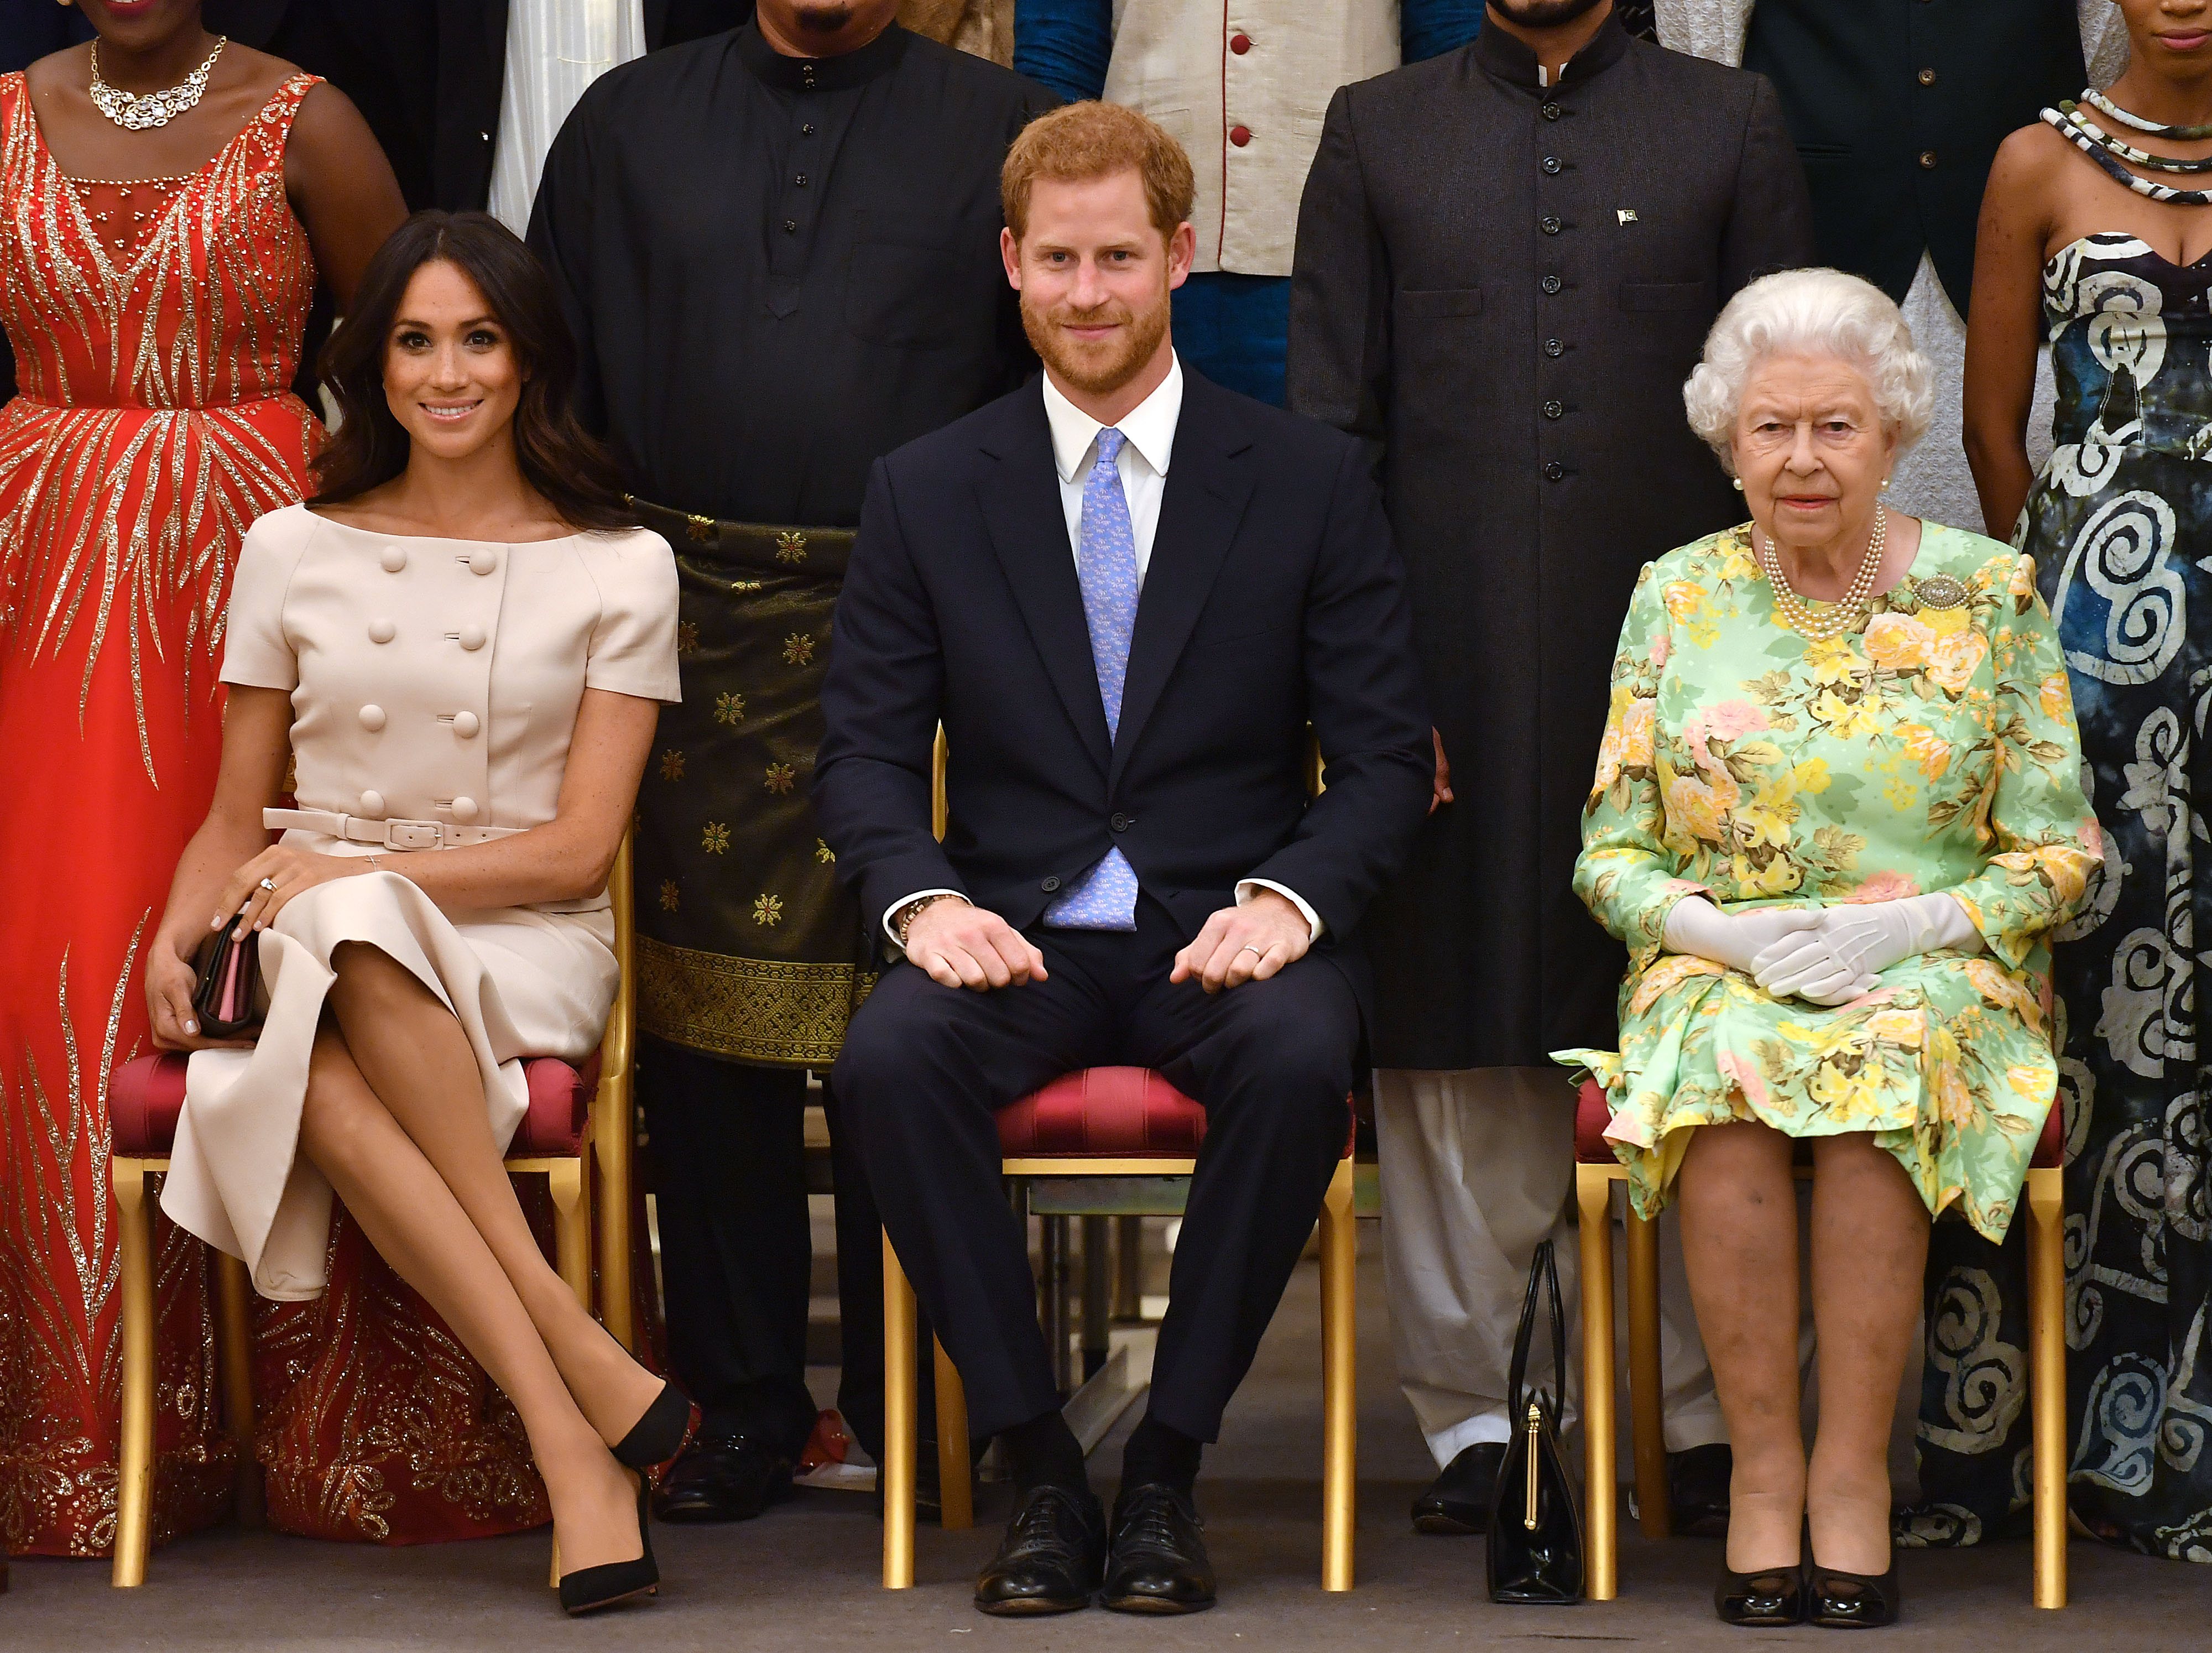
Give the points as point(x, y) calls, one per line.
point(1592, 1115)
point(145, 1095)
point(1096, 1112)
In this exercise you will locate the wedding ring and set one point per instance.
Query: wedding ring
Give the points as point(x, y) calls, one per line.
point(270, 884)
point(1249, 948)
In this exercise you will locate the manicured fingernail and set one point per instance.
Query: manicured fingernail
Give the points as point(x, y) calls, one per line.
point(215, 923)
point(193, 1028)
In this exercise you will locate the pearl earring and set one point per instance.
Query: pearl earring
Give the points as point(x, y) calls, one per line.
point(1739, 483)
point(1885, 485)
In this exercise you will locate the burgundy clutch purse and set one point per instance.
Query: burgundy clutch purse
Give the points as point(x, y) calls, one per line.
point(228, 968)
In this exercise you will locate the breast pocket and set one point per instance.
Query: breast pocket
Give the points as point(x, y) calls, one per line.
point(904, 286)
point(1647, 297)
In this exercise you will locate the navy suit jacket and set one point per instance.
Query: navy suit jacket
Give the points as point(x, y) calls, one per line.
point(1273, 598)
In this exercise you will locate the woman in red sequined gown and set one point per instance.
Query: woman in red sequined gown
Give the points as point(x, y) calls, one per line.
point(156, 327)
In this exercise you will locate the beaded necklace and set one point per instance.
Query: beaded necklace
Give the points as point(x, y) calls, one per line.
point(2110, 153)
point(2183, 134)
point(1841, 615)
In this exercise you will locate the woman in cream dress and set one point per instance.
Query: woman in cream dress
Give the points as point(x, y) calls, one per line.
point(459, 615)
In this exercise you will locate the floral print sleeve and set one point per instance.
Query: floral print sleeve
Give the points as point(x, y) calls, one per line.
point(2045, 842)
point(1932, 750)
point(1625, 875)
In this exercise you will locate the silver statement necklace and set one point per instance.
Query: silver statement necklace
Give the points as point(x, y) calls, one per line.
point(1839, 618)
point(136, 111)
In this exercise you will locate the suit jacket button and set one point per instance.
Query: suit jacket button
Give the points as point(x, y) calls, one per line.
point(382, 630)
point(372, 718)
point(482, 560)
point(466, 725)
point(1122, 823)
point(1049, 885)
point(393, 558)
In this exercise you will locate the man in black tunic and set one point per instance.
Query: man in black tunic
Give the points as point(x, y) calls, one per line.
point(779, 249)
point(1508, 259)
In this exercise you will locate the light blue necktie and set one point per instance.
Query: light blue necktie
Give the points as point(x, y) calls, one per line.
point(1105, 898)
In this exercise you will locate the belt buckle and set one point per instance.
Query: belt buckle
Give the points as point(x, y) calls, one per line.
point(414, 835)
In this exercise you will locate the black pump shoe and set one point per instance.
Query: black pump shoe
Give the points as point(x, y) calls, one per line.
point(1853, 1601)
point(589, 1589)
point(1771, 1597)
point(659, 1435)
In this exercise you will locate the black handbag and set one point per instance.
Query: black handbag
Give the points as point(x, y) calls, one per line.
point(226, 992)
point(1535, 1542)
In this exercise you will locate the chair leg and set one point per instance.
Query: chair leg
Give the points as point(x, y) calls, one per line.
point(1593, 1205)
point(2046, 1340)
point(1646, 1396)
point(234, 1352)
point(1340, 1379)
point(895, 1477)
point(612, 1140)
point(134, 1491)
point(956, 1489)
point(572, 1228)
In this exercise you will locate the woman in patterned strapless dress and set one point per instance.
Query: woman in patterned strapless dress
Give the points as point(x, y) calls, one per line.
point(2096, 229)
point(155, 274)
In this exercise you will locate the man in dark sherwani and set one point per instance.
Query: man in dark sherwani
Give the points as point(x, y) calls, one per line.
point(1508, 259)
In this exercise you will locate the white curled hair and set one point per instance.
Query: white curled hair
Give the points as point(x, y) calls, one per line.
point(1813, 312)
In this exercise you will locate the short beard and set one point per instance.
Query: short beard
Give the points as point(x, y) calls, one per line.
point(1543, 13)
point(1093, 378)
point(824, 20)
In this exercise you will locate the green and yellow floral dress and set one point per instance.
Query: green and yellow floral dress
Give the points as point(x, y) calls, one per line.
point(1935, 749)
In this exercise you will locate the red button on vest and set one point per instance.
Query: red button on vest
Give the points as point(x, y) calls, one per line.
point(1240, 136)
point(1240, 44)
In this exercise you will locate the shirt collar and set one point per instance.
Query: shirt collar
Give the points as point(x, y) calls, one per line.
point(1150, 426)
point(771, 68)
point(1507, 59)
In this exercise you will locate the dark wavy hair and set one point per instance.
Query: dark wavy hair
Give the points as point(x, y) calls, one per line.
point(571, 470)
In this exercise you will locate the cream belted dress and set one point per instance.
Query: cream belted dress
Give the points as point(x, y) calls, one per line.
point(434, 682)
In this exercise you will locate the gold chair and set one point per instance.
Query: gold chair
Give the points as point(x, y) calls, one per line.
point(1152, 1131)
point(576, 1116)
point(1596, 1172)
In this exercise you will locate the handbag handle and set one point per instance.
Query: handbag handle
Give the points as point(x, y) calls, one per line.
point(1543, 1273)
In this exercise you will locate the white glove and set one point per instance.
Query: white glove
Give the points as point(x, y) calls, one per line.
point(1845, 954)
point(1695, 925)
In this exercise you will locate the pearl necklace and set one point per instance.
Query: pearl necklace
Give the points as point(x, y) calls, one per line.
point(1841, 616)
point(136, 111)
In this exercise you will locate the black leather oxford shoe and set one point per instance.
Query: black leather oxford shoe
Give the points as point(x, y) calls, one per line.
point(1698, 1490)
point(1459, 1499)
point(1051, 1558)
point(723, 1477)
point(1158, 1562)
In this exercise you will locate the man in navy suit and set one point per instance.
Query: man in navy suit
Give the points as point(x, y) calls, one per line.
point(1126, 593)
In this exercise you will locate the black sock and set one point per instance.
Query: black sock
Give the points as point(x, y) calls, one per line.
point(1157, 1455)
point(1044, 1452)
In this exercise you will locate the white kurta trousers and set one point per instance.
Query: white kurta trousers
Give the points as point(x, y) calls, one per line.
point(1477, 1168)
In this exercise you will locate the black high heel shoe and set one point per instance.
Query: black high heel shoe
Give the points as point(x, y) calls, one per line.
point(1853, 1601)
point(1769, 1597)
point(659, 1435)
point(589, 1589)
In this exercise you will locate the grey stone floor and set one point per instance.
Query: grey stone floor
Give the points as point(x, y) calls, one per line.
point(805, 1578)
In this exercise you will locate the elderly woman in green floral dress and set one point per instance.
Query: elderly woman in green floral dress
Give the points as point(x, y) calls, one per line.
point(1835, 810)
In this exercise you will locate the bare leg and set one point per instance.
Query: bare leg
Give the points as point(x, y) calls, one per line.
point(416, 1060)
point(1740, 1244)
point(1870, 1250)
point(412, 1219)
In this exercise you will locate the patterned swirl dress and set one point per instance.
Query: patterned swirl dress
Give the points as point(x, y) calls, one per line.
point(2120, 527)
point(1933, 751)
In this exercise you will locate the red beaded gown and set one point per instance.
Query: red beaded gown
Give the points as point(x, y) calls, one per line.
point(157, 325)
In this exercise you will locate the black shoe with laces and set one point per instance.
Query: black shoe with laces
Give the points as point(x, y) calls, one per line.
point(1158, 1562)
point(723, 1477)
point(1051, 1558)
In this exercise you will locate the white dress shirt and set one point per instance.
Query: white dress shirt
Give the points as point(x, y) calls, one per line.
point(1148, 448)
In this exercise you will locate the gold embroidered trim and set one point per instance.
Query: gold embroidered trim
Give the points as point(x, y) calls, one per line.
point(755, 1010)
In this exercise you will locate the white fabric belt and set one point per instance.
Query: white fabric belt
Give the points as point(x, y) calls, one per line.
point(392, 834)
